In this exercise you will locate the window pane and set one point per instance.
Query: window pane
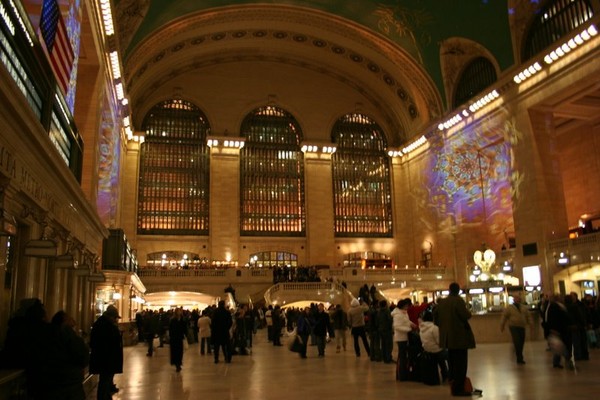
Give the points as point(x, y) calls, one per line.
point(478, 75)
point(174, 171)
point(272, 175)
point(361, 179)
point(557, 19)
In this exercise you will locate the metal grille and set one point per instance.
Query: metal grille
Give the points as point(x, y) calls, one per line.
point(361, 179)
point(556, 20)
point(174, 171)
point(478, 74)
point(272, 175)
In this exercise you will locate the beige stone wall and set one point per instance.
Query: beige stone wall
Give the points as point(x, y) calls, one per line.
point(224, 205)
point(319, 210)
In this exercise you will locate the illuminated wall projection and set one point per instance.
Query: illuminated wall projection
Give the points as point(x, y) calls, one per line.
point(108, 166)
point(470, 179)
point(73, 25)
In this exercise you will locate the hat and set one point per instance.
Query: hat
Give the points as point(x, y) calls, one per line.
point(111, 311)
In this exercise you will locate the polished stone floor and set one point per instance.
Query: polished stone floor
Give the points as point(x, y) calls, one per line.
point(276, 373)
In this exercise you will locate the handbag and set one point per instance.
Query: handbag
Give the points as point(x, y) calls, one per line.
point(296, 344)
point(556, 345)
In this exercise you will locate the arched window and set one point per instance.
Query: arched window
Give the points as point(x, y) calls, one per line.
point(477, 75)
point(174, 171)
point(362, 198)
point(555, 20)
point(271, 175)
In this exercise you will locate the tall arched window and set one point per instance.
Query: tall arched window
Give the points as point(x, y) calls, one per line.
point(556, 19)
point(174, 171)
point(272, 175)
point(477, 75)
point(362, 198)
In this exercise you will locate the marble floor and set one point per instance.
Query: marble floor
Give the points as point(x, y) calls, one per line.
point(276, 373)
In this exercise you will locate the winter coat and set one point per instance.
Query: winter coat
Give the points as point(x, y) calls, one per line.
point(220, 325)
point(204, 327)
point(452, 317)
point(402, 325)
point(356, 314)
point(106, 345)
point(515, 315)
point(430, 337)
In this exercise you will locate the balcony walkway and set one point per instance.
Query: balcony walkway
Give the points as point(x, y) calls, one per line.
point(274, 373)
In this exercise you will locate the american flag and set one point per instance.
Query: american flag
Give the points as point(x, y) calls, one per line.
point(54, 35)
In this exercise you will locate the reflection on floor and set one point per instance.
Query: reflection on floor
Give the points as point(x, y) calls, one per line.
point(276, 373)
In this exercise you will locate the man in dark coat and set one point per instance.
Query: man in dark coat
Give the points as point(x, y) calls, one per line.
point(321, 327)
point(220, 325)
point(177, 331)
point(106, 344)
point(452, 317)
point(277, 325)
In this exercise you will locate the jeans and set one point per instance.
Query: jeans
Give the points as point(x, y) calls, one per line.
point(359, 331)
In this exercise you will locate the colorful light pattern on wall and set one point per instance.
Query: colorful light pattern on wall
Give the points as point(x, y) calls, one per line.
point(108, 165)
point(470, 178)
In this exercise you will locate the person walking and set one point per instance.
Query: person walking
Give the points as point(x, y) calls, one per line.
point(303, 330)
point(106, 357)
point(177, 331)
point(151, 328)
point(339, 320)
point(559, 334)
point(204, 333)
point(452, 317)
point(321, 328)
point(278, 323)
point(516, 316)
point(356, 320)
point(220, 328)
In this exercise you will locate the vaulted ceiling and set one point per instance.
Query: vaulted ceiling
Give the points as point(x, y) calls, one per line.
point(380, 54)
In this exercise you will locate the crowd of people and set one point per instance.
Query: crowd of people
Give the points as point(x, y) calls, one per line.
point(55, 357)
point(571, 327)
point(424, 341)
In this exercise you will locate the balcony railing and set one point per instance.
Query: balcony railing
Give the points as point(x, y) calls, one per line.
point(580, 250)
point(262, 274)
